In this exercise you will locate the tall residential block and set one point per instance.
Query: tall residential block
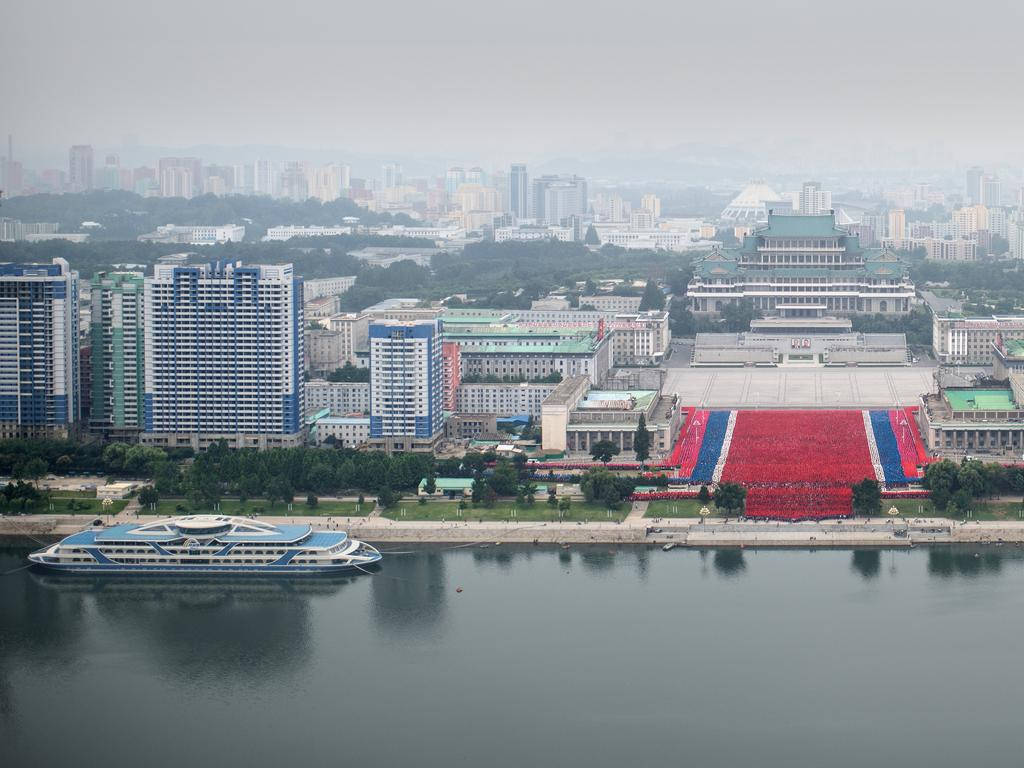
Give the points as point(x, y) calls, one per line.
point(518, 191)
point(406, 390)
point(39, 376)
point(80, 168)
point(224, 349)
point(117, 354)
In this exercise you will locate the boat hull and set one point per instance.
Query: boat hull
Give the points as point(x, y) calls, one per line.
point(205, 570)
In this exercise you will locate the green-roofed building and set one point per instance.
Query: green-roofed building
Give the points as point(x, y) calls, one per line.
point(524, 354)
point(987, 422)
point(803, 266)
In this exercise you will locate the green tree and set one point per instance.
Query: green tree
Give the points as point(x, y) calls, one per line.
point(730, 497)
point(738, 314)
point(653, 297)
point(867, 497)
point(490, 497)
point(591, 237)
point(552, 496)
point(34, 470)
point(564, 505)
point(505, 478)
point(611, 498)
point(430, 487)
point(941, 480)
point(312, 501)
point(704, 495)
point(604, 451)
point(642, 441)
point(387, 498)
point(148, 496)
point(478, 489)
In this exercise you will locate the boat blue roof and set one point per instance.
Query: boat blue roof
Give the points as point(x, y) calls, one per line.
point(286, 534)
point(325, 539)
point(130, 532)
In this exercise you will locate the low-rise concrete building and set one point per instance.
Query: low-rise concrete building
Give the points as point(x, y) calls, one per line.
point(610, 302)
point(326, 286)
point(470, 426)
point(346, 431)
point(979, 421)
point(503, 399)
point(574, 417)
point(586, 355)
point(339, 397)
point(1008, 358)
point(958, 340)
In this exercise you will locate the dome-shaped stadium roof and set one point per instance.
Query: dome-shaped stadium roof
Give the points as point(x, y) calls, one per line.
point(749, 205)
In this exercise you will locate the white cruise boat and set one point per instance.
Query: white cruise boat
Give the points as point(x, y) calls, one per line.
point(206, 544)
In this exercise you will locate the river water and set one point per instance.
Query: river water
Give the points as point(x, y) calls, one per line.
point(590, 657)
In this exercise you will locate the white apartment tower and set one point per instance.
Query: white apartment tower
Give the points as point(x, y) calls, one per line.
point(223, 360)
point(406, 392)
point(813, 201)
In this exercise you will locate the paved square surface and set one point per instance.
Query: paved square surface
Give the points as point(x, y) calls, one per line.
point(799, 387)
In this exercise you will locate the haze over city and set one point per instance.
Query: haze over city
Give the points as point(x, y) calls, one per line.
point(894, 84)
point(527, 384)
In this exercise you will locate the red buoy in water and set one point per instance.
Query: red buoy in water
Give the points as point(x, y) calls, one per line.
point(458, 589)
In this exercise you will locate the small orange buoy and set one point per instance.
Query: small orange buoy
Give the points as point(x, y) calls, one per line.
point(458, 589)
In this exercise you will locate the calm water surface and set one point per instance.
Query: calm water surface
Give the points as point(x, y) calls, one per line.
point(592, 657)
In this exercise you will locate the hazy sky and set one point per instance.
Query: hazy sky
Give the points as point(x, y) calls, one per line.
point(458, 79)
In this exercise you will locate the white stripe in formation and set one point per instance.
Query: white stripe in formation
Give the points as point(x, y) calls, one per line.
point(869, 432)
point(726, 442)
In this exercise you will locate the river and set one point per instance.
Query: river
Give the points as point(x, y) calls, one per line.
point(590, 656)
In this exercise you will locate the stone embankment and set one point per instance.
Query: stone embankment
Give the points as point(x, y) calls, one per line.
point(634, 530)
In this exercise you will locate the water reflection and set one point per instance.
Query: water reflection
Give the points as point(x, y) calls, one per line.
point(966, 562)
point(409, 594)
point(867, 562)
point(729, 562)
point(210, 631)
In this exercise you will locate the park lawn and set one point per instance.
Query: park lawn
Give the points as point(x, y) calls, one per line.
point(325, 508)
point(996, 510)
point(980, 510)
point(679, 508)
point(541, 511)
point(911, 507)
point(85, 505)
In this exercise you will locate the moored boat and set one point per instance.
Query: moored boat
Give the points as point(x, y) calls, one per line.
point(207, 544)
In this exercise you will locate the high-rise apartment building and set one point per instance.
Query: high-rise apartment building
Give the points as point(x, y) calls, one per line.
point(555, 199)
point(813, 201)
point(391, 176)
point(991, 191)
point(263, 178)
point(454, 178)
point(175, 183)
point(224, 350)
point(39, 374)
point(972, 185)
point(406, 389)
point(118, 353)
point(518, 191)
point(897, 224)
point(80, 168)
point(652, 204)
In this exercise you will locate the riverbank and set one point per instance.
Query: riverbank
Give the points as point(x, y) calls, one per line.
point(635, 529)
